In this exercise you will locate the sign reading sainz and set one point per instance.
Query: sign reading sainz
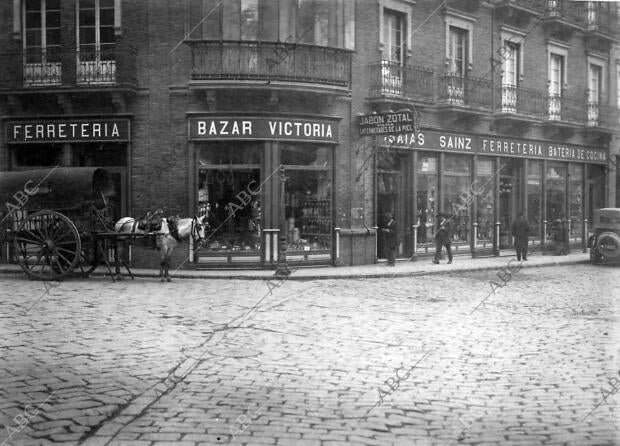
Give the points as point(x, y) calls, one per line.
point(225, 127)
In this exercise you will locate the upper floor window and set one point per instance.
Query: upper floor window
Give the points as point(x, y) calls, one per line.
point(511, 68)
point(41, 31)
point(457, 51)
point(393, 36)
point(557, 74)
point(95, 20)
point(595, 83)
point(315, 22)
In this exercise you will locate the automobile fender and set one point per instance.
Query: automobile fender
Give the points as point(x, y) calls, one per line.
point(605, 239)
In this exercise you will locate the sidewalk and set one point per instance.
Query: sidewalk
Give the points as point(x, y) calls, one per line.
point(403, 268)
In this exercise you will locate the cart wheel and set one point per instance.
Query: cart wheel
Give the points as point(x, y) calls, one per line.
point(47, 245)
point(89, 255)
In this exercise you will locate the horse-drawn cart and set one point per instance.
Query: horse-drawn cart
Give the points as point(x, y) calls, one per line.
point(51, 219)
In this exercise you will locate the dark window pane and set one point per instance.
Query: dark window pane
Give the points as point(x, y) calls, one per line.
point(33, 5)
point(106, 3)
point(38, 154)
point(33, 54)
point(52, 4)
point(53, 36)
point(52, 19)
point(106, 17)
point(33, 38)
point(87, 52)
point(87, 35)
point(33, 20)
point(87, 17)
point(87, 4)
point(106, 35)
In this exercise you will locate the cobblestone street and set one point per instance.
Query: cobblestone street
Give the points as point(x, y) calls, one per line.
point(411, 361)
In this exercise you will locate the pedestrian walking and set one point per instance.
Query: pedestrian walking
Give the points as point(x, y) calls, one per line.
point(391, 244)
point(520, 231)
point(443, 238)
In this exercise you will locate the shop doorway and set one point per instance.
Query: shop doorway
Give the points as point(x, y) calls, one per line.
point(510, 193)
point(390, 198)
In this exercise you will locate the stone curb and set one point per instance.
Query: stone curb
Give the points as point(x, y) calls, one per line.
point(318, 276)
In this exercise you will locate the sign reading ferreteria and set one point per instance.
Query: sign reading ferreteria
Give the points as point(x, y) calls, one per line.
point(67, 130)
point(262, 128)
point(497, 146)
point(386, 123)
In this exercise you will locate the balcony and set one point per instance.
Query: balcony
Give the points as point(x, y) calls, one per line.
point(601, 25)
point(269, 64)
point(562, 18)
point(602, 117)
point(113, 68)
point(392, 79)
point(469, 94)
point(519, 12)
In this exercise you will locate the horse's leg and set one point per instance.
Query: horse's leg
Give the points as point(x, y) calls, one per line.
point(168, 256)
point(118, 255)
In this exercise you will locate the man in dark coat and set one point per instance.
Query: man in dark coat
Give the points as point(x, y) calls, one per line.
point(520, 231)
point(391, 243)
point(442, 238)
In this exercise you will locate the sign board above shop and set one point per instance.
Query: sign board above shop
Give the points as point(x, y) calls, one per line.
point(262, 128)
point(497, 146)
point(67, 130)
point(386, 123)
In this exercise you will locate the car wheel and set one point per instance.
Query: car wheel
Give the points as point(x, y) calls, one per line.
point(608, 245)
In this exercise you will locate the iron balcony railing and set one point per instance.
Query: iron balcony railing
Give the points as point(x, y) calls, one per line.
point(601, 17)
point(566, 10)
point(392, 80)
point(269, 61)
point(531, 5)
point(465, 91)
point(112, 66)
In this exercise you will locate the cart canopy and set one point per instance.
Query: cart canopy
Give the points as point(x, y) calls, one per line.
point(56, 188)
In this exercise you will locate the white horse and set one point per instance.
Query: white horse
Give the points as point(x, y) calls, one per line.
point(167, 237)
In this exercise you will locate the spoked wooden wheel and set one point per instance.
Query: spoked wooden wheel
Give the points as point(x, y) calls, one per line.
point(47, 245)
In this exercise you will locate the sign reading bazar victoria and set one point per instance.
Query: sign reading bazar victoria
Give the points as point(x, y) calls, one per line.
point(497, 146)
point(67, 130)
point(263, 128)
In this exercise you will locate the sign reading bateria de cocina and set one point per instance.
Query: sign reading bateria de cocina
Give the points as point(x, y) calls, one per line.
point(234, 127)
point(67, 130)
point(386, 123)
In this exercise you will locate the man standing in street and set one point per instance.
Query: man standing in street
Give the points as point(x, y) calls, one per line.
point(442, 238)
point(520, 231)
point(390, 238)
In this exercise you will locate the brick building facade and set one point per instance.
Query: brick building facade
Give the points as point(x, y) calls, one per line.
point(209, 99)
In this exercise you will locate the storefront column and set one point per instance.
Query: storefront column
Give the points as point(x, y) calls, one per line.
point(524, 188)
point(543, 211)
point(440, 182)
point(414, 207)
point(586, 206)
point(472, 199)
point(496, 182)
point(67, 156)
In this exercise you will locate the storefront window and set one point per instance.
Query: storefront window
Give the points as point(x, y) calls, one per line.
point(389, 196)
point(229, 171)
point(427, 196)
point(33, 155)
point(534, 188)
point(575, 178)
point(556, 192)
point(484, 188)
point(457, 180)
point(307, 201)
point(596, 186)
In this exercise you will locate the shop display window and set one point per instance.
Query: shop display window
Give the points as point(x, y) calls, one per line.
point(427, 197)
point(37, 155)
point(575, 185)
point(389, 197)
point(227, 172)
point(457, 180)
point(307, 201)
point(483, 190)
point(534, 188)
point(556, 193)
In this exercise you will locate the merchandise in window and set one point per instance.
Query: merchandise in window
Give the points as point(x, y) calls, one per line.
point(427, 197)
point(575, 178)
point(457, 174)
point(534, 189)
point(307, 201)
point(483, 189)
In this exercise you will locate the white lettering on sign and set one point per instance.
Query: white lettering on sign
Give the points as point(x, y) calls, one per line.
point(225, 127)
point(455, 142)
point(66, 131)
point(298, 129)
